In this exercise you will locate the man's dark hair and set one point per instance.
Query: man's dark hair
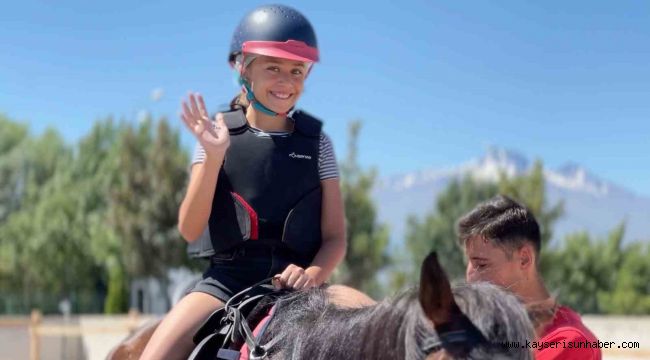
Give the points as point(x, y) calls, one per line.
point(502, 220)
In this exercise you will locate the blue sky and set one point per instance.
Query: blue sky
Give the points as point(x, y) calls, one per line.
point(435, 82)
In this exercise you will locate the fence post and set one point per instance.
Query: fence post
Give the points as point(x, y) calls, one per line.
point(34, 339)
point(133, 320)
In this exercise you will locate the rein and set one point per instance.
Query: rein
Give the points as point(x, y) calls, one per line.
point(221, 338)
point(239, 325)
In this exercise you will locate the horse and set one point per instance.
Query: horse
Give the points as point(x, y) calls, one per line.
point(432, 321)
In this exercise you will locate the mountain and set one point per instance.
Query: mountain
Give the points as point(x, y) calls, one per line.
point(590, 203)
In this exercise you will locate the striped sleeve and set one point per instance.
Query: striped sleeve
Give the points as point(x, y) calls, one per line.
point(199, 154)
point(327, 167)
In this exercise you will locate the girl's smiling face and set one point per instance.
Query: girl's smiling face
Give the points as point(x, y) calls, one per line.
point(277, 83)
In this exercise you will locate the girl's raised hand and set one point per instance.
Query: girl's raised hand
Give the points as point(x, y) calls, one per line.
point(213, 136)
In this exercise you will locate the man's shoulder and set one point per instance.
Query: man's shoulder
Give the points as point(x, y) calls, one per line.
point(568, 333)
point(568, 322)
point(570, 343)
point(574, 338)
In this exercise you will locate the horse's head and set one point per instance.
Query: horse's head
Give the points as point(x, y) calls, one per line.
point(471, 321)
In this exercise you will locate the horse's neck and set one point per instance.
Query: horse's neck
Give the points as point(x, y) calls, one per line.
point(315, 329)
point(385, 329)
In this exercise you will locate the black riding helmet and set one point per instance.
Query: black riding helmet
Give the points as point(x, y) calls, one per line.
point(272, 30)
point(277, 31)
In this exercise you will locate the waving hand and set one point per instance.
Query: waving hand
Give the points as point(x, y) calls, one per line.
point(213, 136)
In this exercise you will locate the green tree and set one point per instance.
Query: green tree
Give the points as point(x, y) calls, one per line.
point(86, 219)
point(95, 169)
point(367, 240)
point(12, 165)
point(601, 275)
point(583, 270)
point(146, 190)
point(117, 296)
point(631, 290)
point(42, 245)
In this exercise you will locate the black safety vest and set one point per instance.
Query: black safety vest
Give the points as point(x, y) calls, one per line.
point(268, 190)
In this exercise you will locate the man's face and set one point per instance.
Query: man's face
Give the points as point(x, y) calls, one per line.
point(489, 262)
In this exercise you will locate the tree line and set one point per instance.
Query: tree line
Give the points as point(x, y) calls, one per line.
point(81, 221)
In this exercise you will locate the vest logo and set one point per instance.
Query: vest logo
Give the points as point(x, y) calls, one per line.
point(293, 155)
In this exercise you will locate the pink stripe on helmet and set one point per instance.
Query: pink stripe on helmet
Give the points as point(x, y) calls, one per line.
point(290, 49)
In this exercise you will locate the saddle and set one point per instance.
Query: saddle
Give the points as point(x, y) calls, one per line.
point(227, 335)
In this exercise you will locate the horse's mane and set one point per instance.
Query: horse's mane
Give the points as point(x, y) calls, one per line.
point(310, 327)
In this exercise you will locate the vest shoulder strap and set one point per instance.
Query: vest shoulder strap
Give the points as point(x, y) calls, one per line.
point(307, 124)
point(235, 120)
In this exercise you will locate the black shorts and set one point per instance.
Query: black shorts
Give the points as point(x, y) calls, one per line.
point(233, 271)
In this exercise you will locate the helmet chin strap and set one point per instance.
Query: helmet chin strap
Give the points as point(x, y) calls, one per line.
point(250, 96)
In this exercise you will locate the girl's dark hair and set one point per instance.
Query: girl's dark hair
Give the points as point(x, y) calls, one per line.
point(239, 102)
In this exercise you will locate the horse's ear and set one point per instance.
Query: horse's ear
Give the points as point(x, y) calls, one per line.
point(435, 295)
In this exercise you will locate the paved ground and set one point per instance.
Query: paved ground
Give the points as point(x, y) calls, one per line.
point(15, 340)
point(88, 337)
point(622, 329)
point(102, 333)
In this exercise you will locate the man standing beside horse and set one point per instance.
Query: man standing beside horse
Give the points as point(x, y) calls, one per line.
point(501, 241)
